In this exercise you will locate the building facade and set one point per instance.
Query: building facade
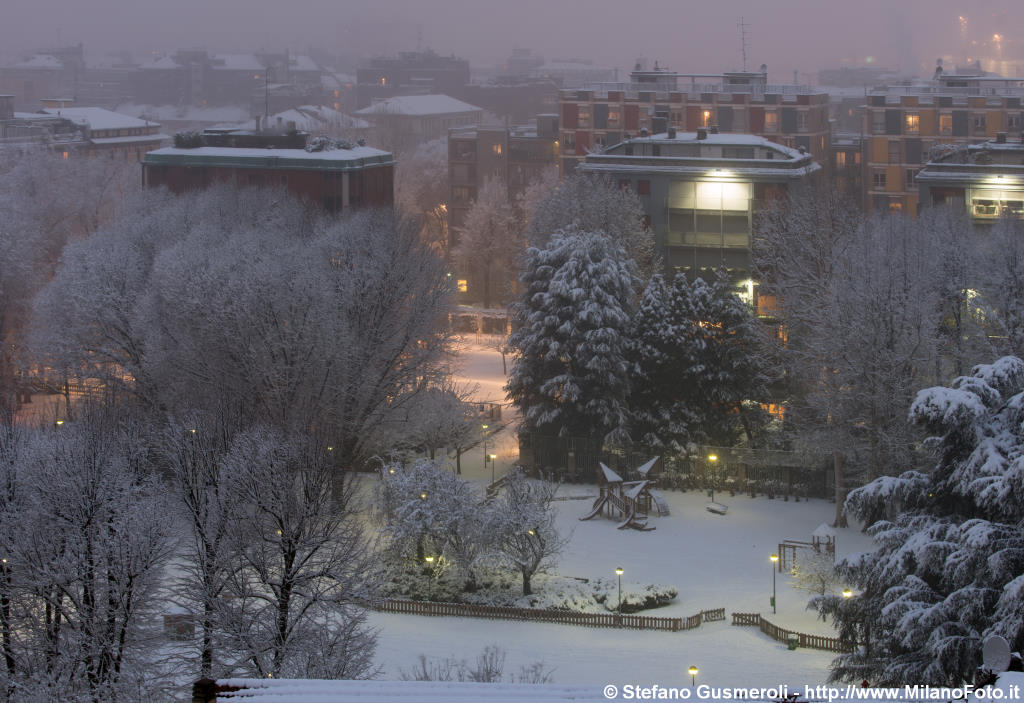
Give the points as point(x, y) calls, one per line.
point(701, 192)
point(404, 121)
point(902, 124)
point(986, 180)
point(410, 73)
point(335, 179)
point(602, 115)
point(517, 156)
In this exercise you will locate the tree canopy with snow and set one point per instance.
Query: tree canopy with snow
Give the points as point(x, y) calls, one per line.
point(570, 375)
point(593, 204)
point(698, 369)
point(949, 568)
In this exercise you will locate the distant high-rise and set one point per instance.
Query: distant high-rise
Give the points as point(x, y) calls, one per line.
point(410, 73)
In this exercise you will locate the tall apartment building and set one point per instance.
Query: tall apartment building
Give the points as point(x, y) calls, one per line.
point(903, 123)
point(516, 155)
point(410, 73)
point(701, 193)
point(605, 114)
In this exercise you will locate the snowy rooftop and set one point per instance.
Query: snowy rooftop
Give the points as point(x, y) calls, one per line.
point(315, 691)
point(186, 113)
point(418, 105)
point(313, 118)
point(164, 62)
point(237, 62)
point(40, 61)
point(720, 139)
point(336, 159)
point(98, 118)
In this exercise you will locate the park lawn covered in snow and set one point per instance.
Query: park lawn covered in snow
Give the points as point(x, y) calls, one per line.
point(715, 561)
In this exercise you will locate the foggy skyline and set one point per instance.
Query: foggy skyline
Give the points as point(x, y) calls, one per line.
point(686, 37)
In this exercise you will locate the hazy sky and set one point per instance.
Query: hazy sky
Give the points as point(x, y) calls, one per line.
point(683, 35)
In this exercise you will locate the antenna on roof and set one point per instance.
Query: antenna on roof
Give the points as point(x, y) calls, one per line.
point(419, 37)
point(743, 41)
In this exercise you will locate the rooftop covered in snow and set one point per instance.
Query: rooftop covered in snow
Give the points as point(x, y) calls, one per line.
point(98, 118)
point(328, 160)
point(703, 153)
point(419, 106)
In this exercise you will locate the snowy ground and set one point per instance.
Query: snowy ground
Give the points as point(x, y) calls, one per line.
point(716, 561)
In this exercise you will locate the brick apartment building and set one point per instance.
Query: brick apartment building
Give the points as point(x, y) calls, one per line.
point(903, 123)
point(601, 115)
point(334, 179)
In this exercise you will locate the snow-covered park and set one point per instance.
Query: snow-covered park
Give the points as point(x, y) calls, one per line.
point(715, 561)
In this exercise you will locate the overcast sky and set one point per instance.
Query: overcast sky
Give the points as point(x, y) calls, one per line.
point(683, 35)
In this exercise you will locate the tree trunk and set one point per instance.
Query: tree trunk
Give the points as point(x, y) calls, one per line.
point(840, 491)
point(526, 584)
point(487, 286)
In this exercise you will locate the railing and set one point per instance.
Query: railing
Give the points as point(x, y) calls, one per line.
point(829, 644)
point(494, 612)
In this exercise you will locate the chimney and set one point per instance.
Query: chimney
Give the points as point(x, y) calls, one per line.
point(1000, 137)
point(671, 132)
point(643, 131)
point(714, 129)
point(702, 133)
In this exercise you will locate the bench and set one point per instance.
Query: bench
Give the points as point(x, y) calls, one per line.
point(717, 508)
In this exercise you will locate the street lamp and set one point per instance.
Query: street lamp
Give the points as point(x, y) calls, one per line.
point(618, 572)
point(484, 428)
point(492, 457)
point(775, 559)
point(712, 458)
point(693, 675)
point(847, 593)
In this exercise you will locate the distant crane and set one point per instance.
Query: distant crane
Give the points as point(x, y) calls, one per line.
point(743, 41)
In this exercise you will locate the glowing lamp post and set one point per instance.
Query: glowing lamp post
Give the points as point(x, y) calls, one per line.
point(693, 675)
point(618, 572)
point(847, 593)
point(712, 460)
point(775, 559)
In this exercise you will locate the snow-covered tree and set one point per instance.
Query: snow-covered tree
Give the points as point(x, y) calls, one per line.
point(861, 311)
point(303, 566)
point(45, 201)
point(431, 512)
point(249, 299)
point(422, 191)
point(193, 448)
point(570, 375)
point(1001, 287)
point(948, 570)
point(815, 572)
point(699, 375)
point(490, 241)
point(524, 522)
point(86, 536)
point(595, 204)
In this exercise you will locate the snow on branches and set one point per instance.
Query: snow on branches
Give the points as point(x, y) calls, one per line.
point(946, 573)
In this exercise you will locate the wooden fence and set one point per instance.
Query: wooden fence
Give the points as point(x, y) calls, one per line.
point(494, 612)
point(829, 644)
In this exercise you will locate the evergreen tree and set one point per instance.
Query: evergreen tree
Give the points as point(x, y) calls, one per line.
point(695, 350)
point(570, 375)
point(949, 568)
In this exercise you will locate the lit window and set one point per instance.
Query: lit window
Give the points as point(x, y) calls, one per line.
point(895, 206)
point(945, 124)
point(383, 80)
point(496, 149)
point(912, 122)
point(707, 118)
point(64, 155)
point(463, 285)
point(771, 121)
point(840, 159)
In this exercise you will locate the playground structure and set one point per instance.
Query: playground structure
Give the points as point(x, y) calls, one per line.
point(629, 502)
point(823, 540)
